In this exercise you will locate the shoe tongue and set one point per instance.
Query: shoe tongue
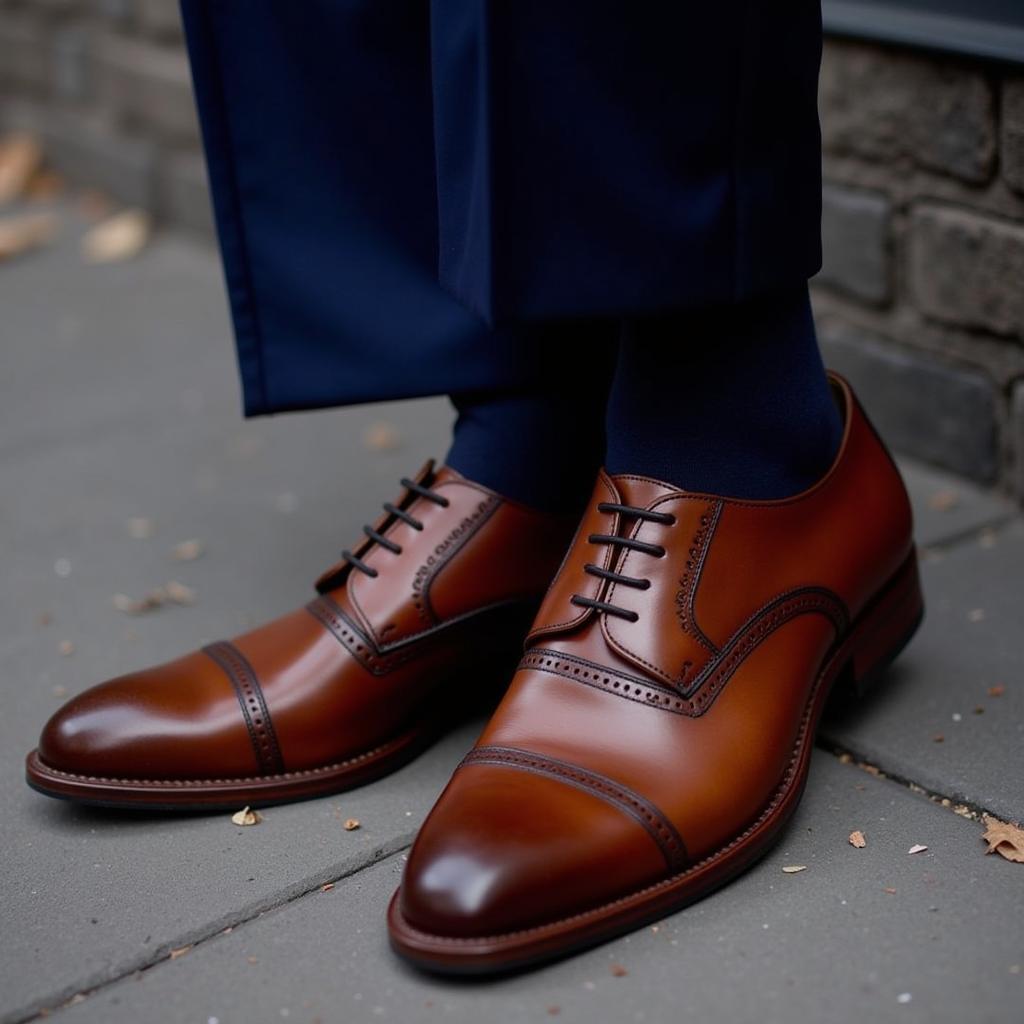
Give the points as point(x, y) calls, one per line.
point(642, 491)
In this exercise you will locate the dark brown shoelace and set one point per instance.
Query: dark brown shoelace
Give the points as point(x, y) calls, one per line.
point(399, 512)
point(627, 543)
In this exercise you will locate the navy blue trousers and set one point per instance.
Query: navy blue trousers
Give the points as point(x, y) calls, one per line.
point(411, 197)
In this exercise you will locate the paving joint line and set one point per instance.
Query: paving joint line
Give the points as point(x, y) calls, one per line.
point(958, 538)
point(165, 952)
point(962, 808)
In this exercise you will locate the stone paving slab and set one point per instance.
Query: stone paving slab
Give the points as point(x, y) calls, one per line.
point(830, 944)
point(947, 508)
point(949, 715)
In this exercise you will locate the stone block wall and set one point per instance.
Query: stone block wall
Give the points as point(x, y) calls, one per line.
point(105, 84)
point(921, 297)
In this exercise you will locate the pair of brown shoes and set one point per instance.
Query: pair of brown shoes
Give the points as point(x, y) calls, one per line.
point(654, 740)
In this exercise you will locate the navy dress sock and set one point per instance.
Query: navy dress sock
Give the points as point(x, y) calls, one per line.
point(542, 444)
point(731, 401)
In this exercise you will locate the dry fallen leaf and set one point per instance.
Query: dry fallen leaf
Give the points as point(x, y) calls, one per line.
point(119, 237)
point(618, 971)
point(997, 690)
point(327, 887)
point(131, 606)
point(382, 437)
point(171, 593)
point(20, 157)
point(141, 527)
point(351, 824)
point(890, 891)
point(179, 593)
point(44, 186)
point(246, 816)
point(938, 738)
point(793, 869)
point(943, 501)
point(857, 839)
point(252, 960)
point(187, 551)
point(917, 848)
point(180, 951)
point(26, 231)
point(1003, 838)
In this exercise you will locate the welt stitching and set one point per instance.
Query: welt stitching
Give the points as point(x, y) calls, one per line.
point(654, 821)
point(237, 780)
point(247, 688)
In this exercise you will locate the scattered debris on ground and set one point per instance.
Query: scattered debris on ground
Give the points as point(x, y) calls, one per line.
point(857, 839)
point(246, 816)
point(382, 437)
point(351, 824)
point(943, 501)
point(21, 157)
point(26, 231)
point(1004, 838)
point(187, 551)
point(170, 593)
point(917, 848)
point(140, 527)
point(121, 236)
point(793, 869)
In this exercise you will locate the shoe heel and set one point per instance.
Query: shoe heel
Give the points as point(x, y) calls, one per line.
point(884, 628)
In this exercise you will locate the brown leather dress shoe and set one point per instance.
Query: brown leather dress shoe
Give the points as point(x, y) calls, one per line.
point(424, 618)
point(657, 734)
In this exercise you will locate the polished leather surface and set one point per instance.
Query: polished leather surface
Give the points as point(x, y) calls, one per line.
point(627, 751)
point(370, 658)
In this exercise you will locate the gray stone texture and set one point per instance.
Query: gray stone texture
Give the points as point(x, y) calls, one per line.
point(855, 243)
point(23, 53)
point(69, 62)
point(949, 509)
point(967, 269)
point(941, 413)
point(147, 87)
point(1017, 442)
point(160, 19)
point(1012, 124)
point(184, 194)
point(99, 155)
point(889, 106)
